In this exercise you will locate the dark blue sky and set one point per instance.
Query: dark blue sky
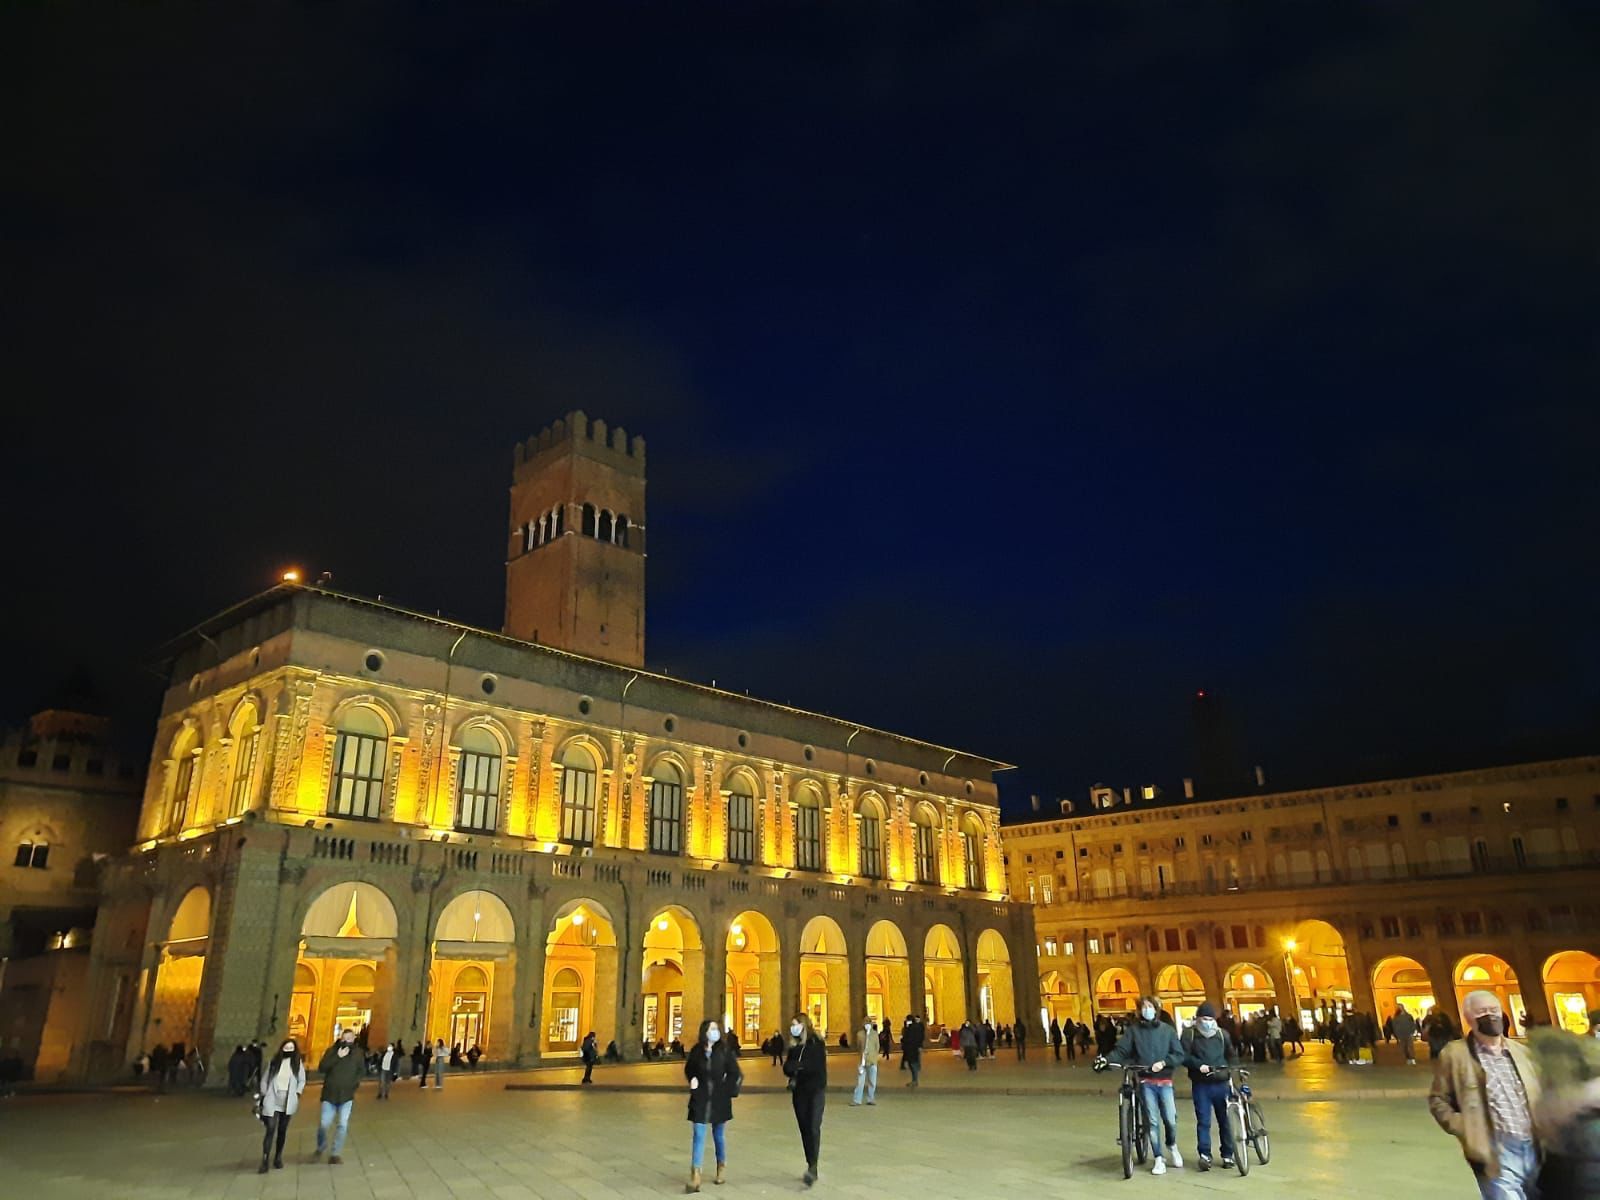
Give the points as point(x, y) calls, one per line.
point(1007, 374)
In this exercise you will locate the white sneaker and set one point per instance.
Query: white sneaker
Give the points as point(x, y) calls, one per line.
point(1159, 1167)
point(1174, 1157)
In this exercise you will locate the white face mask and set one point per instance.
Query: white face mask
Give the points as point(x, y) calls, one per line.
point(713, 1034)
point(1148, 1013)
point(796, 1029)
point(1207, 1026)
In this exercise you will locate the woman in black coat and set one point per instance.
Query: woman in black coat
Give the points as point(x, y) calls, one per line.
point(712, 1069)
point(807, 1068)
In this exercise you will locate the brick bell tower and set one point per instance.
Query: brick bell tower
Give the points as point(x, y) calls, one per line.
point(575, 564)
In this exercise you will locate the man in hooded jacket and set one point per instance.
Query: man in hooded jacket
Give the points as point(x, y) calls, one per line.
point(1150, 1043)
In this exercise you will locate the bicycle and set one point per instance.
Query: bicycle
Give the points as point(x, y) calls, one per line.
point(1133, 1123)
point(1245, 1122)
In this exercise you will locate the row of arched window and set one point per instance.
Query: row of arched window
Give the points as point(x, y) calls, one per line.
point(599, 523)
point(244, 731)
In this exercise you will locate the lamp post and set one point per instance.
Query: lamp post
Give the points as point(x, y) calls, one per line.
point(1288, 966)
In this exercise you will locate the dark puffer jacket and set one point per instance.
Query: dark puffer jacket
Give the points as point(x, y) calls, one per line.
point(718, 1072)
point(1144, 1045)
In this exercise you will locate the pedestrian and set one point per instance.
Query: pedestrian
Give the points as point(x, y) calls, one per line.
point(1210, 1053)
point(238, 1071)
point(1275, 1036)
point(389, 1067)
point(911, 1039)
point(438, 1065)
point(1020, 1032)
point(455, 1055)
point(158, 1067)
point(867, 1068)
point(885, 1042)
point(1404, 1026)
point(278, 1099)
point(416, 1062)
point(806, 1065)
point(988, 1039)
point(473, 1056)
point(1568, 1118)
point(714, 1080)
point(968, 1042)
point(1485, 1092)
point(1152, 1045)
point(342, 1067)
point(775, 1047)
point(590, 1053)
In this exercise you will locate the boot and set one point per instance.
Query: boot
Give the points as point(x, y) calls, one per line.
point(262, 1169)
point(810, 1176)
point(277, 1161)
point(718, 1177)
point(694, 1180)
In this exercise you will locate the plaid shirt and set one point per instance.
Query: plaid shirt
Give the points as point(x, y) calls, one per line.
point(1508, 1099)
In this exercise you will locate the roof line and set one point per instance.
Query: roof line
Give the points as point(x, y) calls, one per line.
point(286, 589)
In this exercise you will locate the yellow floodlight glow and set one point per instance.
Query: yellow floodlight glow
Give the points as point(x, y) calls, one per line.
point(1290, 945)
point(292, 575)
point(577, 918)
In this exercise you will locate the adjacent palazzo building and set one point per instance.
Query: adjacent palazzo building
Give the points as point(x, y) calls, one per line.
point(358, 815)
point(1412, 891)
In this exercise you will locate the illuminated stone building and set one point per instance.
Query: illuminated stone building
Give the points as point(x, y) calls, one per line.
point(361, 815)
point(68, 802)
point(1408, 890)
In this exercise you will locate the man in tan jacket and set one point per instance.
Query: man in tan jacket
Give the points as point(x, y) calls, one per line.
point(1485, 1091)
point(867, 1068)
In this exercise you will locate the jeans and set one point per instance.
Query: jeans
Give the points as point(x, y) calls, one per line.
point(808, 1107)
point(867, 1077)
point(385, 1081)
point(1211, 1096)
point(915, 1067)
point(438, 1073)
point(329, 1111)
point(1519, 1172)
point(1022, 1049)
point(697, 1151)
point(1161, 1110)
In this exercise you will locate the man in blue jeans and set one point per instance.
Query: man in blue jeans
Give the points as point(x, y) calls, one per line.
point(1151, 1043)
point(1210, 1052)
point(342, 1067)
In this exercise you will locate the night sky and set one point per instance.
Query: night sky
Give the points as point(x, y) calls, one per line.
point(1008, 375)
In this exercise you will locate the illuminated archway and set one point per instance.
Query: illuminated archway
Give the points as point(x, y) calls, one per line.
point(1572, 987)
point(1058, 999)
point(1491, 973)
point(1116, 991)
point(825, 976)
point(753, 990)
point(347, 925)
point(1181, 992)
point(888, 973)
point(580, 978)
point(673, 983)
point(1321, 970)
point(996, 999)
point(175, 1001)
point(1247, 989)
point(944, 991)
point(472, 987)
point(1398, 980)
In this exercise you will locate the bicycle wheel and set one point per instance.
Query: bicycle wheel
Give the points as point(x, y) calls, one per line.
point(1141, 1132)
point(1258, 1134)
point(1125, 1135)
point(1241, 1148)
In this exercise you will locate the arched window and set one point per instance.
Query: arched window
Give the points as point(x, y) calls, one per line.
point(603, 528)
point(558, 524)
point(972, 853)
point(577, 796)
point(621, 535)
point(246, 742)
point(741, 822)
point(588, 520)
point(544, 529)
point(871, 839)
point(359, 756)
point(666, 810)
point(808, 831)
point(478, 784)
point(927, 857)
point(183, 784)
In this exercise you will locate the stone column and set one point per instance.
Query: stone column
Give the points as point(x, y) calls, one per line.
point(1355, 957)
point(715, 938)
point(530, 979)
point(858, 984)
point(789, 969)
point(916, 944)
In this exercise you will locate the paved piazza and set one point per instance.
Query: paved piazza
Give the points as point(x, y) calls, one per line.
point(1018, 1136)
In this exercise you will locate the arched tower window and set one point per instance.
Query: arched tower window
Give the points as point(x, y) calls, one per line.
point(926, 842)
point(183, 784)
point(972, 852)
point(588, 520)
point(808, 831)
point(478, 782)
point(741, 821)
point(358, 766)
point(621, 535)
point(577, 796)
point(871, 838)
point(603, 529)
point(246, 743)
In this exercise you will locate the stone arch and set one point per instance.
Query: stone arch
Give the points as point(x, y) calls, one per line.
point(1116, 991)
point(944, 985)
point(888, 972)
point(180, 971)
point(386, 711)
point(1181, 991)
point(670, 757)
point(753, 987)
point(192, 918)
point(496, 728)
point(1491, 973)
point(825, 975)
point(1320, 966)
point(252, 704)
point(1572, 988)
point(581, 938)
point(1247, 989)
point(673, 974)
point(472, 989)
point(587, 741)
point(345, 922)
point(476, 915)
point(329, 912)
point(996, 996)
point(1401, 980)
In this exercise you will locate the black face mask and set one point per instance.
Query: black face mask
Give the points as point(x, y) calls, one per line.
point(1489, 1025)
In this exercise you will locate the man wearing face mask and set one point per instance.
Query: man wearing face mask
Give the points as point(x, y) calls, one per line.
point(342, 1067)
point(1211, 1053)
point(1151, 1043)
point(1485, 1091)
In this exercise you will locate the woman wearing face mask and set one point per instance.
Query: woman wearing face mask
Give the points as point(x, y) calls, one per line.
point(1211, 1053)
point(806, 1065)
point(714, 1079)
point(281, 1084)
point(1152, 1044)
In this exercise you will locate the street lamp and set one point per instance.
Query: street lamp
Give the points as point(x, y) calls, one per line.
point(1288, 967)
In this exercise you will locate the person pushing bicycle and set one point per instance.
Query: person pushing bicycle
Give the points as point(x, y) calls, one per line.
point(1211, 1054)
point(1152, 1043)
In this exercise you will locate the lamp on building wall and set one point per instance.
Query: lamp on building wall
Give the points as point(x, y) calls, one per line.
point(1289, 946)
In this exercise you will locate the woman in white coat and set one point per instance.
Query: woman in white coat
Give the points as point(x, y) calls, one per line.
point(281, 1084)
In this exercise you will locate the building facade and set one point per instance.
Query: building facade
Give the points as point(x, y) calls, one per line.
point(68, 803)
point(1412, 891)
point(361, 816)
